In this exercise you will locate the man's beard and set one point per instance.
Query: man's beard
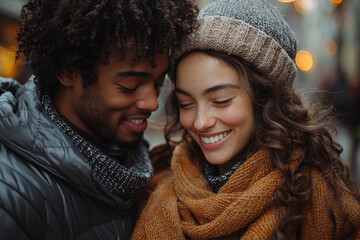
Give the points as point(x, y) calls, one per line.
point(96, 119)
point(125, 143)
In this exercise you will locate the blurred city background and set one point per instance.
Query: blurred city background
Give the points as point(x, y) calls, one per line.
point(328, 58)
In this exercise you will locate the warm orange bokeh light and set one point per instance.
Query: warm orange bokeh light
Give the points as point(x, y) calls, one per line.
point(329, 45)
point(304, 60)
point(336, 2)
point(8, 68)
point(304, 6)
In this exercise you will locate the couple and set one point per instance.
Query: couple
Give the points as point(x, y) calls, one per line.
point(253, 162)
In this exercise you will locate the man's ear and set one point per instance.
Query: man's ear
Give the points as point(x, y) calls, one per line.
point(68, 79)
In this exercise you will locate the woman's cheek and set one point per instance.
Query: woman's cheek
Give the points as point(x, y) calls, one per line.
point(233, 117)
point(185, 119)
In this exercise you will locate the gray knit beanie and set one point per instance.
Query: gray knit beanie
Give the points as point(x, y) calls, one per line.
point(250, 29)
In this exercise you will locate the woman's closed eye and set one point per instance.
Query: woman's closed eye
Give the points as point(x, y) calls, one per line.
point(184, 105)
point(223, 101)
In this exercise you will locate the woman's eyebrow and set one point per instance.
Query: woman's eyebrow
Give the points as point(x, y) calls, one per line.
point(220, 87)
point(209, 90)
point(179, 90)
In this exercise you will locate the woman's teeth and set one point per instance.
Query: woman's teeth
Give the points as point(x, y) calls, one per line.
point(215, 138)
point(136, 121)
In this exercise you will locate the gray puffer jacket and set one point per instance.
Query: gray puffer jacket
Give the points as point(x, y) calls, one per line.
point(47, 189)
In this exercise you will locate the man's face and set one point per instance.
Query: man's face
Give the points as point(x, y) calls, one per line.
point(117, 106)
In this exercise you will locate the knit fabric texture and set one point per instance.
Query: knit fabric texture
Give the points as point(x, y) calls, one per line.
point(217, 181)
point(123, 182)
point(184, 207)
point(250, 29)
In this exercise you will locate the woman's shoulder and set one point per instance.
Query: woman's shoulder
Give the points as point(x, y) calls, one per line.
point(328, 204)
point(341, 199)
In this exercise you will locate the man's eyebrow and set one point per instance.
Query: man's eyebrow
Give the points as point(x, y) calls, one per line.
point(209, 90)
point(134, 74)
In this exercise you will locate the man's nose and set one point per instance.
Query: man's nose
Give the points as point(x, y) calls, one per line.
point(148, 100)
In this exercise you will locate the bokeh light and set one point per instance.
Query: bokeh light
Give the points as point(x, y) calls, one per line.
point(8, 68)
point(8, 43)
point(335, 2)
point(286, 1)
point(304, 6)
point(304, 60)
point(330, 46)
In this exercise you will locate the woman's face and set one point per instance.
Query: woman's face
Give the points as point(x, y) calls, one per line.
point(215, 107)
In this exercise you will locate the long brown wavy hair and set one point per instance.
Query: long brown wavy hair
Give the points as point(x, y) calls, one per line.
point(284, 125)
point(60, 36)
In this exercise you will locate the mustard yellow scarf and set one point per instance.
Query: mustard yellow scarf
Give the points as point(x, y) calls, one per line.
point(183, 204)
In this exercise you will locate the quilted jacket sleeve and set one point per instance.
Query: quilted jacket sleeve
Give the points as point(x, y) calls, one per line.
point(9, 228)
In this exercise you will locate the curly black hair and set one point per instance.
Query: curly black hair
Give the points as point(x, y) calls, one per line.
point(61, 36)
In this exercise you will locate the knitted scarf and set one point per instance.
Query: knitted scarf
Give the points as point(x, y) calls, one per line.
point(184, 205)
point(123, 182)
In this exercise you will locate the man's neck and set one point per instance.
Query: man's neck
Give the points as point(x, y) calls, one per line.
point(109, 148)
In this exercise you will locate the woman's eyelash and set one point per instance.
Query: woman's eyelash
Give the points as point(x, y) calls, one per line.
point(184, 105)
point(216, 102)
point(223, 101)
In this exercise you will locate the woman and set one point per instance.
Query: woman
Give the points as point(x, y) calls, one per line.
point(253, 163)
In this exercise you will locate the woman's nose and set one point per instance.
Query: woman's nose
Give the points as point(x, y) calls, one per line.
point(203, 119)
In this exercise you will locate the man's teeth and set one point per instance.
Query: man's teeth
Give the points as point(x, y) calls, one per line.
point(136, 121)
point(215, 138)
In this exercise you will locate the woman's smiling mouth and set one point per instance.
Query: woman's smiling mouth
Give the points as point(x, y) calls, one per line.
point(214, 138)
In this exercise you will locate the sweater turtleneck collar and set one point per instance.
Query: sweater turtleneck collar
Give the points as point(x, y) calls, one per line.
point(216, 180)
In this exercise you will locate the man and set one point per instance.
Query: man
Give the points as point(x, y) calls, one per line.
point(72, 154)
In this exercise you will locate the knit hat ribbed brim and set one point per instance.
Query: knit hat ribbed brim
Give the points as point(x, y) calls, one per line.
point(250, 29)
